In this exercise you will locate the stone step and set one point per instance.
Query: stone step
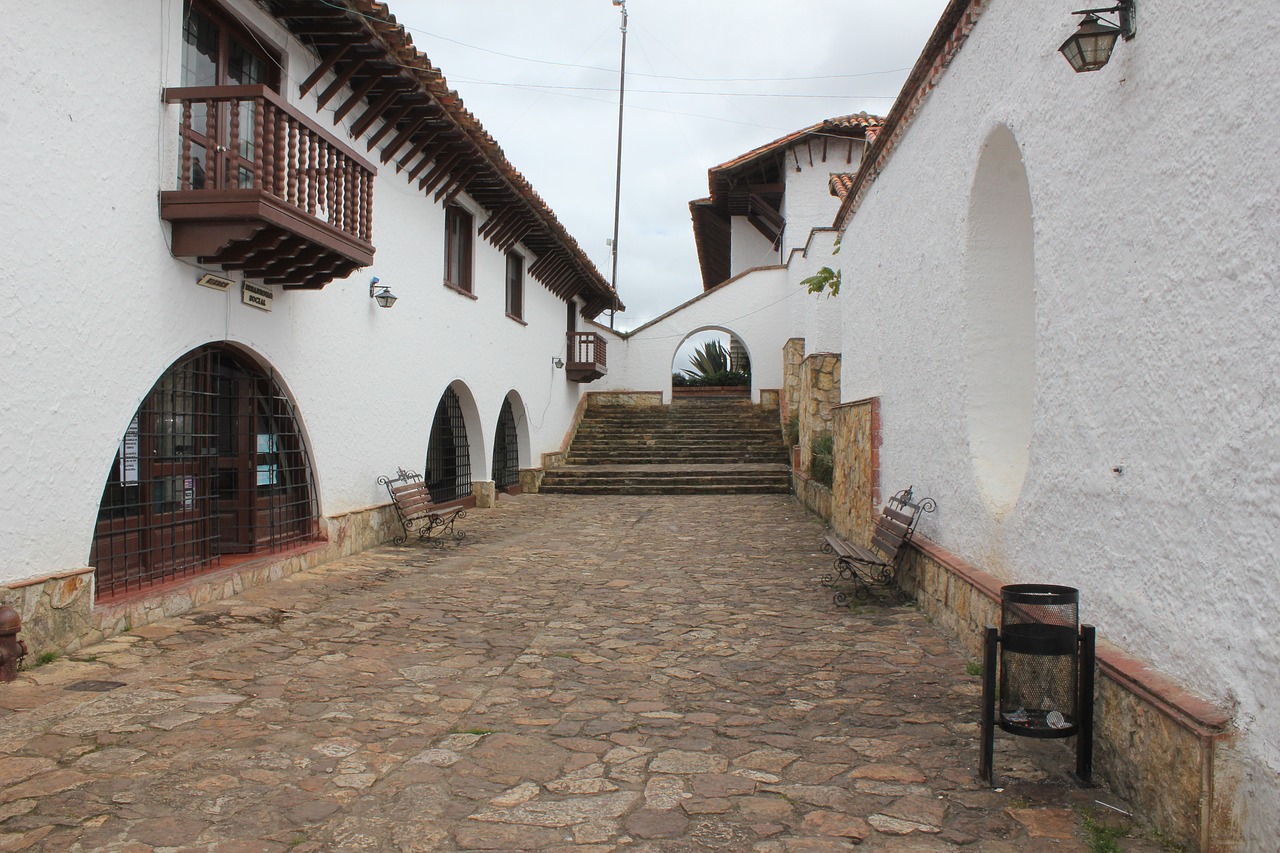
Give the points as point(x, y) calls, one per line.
point(726, 458)
point(636, 478)
point(663, 489)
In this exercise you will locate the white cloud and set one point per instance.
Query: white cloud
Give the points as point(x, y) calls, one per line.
point(564, 139)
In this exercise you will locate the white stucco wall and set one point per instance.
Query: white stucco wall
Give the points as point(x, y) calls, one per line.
point(98, 309)
point(1153, 480)
point(816, 317)
point(748, 248)
point(807, 170)
point(748, 306)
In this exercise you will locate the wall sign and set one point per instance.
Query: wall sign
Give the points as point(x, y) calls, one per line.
point(217, 282)
point(258, 297)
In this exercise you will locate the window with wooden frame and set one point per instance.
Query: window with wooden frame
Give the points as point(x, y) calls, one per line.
point(515, 286)
point(216, 51)
point(457, 248)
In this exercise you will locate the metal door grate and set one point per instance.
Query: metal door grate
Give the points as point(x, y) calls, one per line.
point(448, 454)
point(211, 464)
point(506, 449)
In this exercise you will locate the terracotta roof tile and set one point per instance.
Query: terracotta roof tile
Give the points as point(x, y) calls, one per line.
point(840, 184)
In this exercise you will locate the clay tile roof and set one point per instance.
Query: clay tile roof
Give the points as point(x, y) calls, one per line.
point(840, 184)
point(842, 124)
point(398, 45)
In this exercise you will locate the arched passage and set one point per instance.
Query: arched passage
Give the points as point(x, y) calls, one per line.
point(711, 356)
point(510, 443)
point(1000, 314)
point(455, 454)
point(213, 463)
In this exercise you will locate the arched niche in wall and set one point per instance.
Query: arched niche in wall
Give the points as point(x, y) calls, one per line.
point(1000, 321)
point(711, 355)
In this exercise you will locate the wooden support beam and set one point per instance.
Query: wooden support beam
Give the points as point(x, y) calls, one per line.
point(342, 79)
point(370, 115)
point(356, 97)
point(388, 125)
point(323, 68)
point(402, 138)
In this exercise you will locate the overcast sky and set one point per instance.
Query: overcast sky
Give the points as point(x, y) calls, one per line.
point(706, 81)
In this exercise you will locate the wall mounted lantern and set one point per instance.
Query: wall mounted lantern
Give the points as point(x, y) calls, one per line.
point(383, 295)
point(1090, 46)
point(557, 361)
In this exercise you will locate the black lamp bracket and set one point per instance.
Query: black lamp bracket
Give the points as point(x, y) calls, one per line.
point(1124, 9)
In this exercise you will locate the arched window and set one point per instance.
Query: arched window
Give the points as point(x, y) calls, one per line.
point(448, 453)
point(212, 464)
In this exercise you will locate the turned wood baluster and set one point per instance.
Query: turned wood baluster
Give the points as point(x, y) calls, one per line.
point(267, 161)
point(348, 203)
point(280, 186)
point(293, 163)
point(259, 115)
point(232, 170)
point(366, 221)
point(313, 157)
point(185, 176)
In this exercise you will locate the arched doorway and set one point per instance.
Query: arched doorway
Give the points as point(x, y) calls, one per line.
point(212, 464)
point(448, 472)
point(711, 358)
point(506, 450)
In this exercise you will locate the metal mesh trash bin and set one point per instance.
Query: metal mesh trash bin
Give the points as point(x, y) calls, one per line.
point(1045, 669)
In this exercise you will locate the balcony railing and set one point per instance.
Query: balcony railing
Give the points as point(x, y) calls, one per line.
point(262, 188)
point(586, 361)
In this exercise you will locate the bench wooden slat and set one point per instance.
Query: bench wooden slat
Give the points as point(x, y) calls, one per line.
point(901, 517)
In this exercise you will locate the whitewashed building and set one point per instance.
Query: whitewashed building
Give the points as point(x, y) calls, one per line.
point(202, 201)
point(1059, 311)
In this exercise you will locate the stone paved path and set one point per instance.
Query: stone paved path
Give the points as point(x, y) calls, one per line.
point(586, 674)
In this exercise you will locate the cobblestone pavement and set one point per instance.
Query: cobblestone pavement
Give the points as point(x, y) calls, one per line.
point(587, 674)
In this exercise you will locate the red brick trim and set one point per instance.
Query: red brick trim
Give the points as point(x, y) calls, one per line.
point(57, 576)
point(1198, 715)
point(952, 30)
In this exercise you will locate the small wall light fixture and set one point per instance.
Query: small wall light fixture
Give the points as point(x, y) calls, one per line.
point(383, 295)
point(557, 361)
point(1090, 46)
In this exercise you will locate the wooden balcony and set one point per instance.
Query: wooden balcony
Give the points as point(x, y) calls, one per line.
point(586, 362)
point(263, 189)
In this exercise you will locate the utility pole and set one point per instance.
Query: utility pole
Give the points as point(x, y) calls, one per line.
point(617, 186)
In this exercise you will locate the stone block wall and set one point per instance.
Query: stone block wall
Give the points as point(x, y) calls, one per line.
point(792, 357)
point(1165, 750)
point(56, 611)
point(856, 484)
point(819, 395)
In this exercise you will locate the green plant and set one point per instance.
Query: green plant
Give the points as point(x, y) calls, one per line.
point(1103, 838)
point(822, 459)
point(44, 658)
point(973, 668)
point(824, 279)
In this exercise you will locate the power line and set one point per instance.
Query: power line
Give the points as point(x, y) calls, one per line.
point(549, 87)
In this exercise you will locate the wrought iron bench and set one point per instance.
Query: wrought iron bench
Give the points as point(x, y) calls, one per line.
point(863, 568)
point(413, 504)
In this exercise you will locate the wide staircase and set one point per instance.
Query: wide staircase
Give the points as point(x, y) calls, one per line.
point(710, 445)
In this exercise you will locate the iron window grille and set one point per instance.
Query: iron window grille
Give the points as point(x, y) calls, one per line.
point(212, 464)
point(448, 471)
point(506, 449)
